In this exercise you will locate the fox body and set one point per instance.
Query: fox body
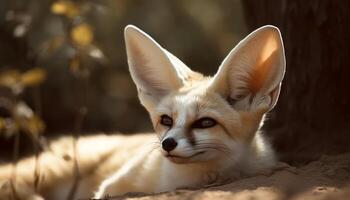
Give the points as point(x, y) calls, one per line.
point(207, 128)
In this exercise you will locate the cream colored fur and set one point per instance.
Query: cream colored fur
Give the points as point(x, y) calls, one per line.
point(245, 87)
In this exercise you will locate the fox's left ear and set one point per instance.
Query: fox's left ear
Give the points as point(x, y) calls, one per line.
point(250, 76)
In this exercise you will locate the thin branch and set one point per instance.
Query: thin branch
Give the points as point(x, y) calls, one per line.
point(81, 113)
point(14, 165)
point(36, 141)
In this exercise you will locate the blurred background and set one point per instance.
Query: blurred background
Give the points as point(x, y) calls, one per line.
point(63, 66)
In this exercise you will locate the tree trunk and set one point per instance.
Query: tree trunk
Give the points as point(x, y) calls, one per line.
point(313, 112)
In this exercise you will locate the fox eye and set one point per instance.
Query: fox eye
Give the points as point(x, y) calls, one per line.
point(205, 122)
point(166, 120)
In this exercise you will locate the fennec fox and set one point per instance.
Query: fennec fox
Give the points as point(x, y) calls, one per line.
point(207, 128)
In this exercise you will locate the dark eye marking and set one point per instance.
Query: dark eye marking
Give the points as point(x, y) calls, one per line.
point(205, 122)
point(166, 120)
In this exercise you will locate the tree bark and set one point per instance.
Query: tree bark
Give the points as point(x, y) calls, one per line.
point(313, 112)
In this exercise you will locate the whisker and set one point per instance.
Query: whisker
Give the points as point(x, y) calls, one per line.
point(200, 140)
point(215, 149)
point(210, 144)
point(222, 149)
point(215, 145)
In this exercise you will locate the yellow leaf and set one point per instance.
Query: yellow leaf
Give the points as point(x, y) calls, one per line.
point(59, 8)
point(9, 78)
point(82, 34)
point(33, 77)
point(22, 110)
point(66, 8)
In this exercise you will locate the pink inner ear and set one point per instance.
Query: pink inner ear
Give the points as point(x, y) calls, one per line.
point(262, 72)
point(263, 68)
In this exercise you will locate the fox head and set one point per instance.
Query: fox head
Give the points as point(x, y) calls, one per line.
point(200, 118)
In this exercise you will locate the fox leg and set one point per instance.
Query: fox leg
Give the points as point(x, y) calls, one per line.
point(122, 181)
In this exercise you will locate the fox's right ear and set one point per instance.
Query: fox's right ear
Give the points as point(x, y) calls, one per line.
point(155, 71)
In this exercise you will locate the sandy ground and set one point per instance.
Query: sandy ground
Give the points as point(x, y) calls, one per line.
point(327, 178)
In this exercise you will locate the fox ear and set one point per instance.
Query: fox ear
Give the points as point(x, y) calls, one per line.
point(155, 71)
point(250, 76)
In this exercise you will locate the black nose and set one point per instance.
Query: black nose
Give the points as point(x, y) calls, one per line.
point(169, 144)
